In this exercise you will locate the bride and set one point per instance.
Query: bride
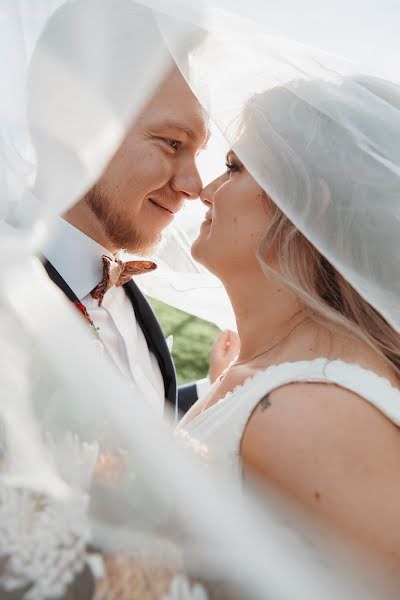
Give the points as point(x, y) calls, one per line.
point(311, 404)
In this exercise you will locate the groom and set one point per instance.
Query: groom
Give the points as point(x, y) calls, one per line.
point(143, 187)
point(141, 190)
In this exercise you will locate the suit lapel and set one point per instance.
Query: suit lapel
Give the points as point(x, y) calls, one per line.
point(60, 282)
point(147, 321)
point(154, 338)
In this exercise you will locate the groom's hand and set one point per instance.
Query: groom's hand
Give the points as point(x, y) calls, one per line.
point(226, 347)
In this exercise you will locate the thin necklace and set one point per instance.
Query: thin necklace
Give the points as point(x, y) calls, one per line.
point(275, 343)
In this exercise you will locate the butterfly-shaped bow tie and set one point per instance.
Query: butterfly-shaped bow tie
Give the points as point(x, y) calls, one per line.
point(116, 272)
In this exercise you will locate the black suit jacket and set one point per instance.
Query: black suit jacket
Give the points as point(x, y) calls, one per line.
point(154, 336)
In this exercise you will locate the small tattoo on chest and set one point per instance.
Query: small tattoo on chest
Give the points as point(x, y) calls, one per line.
point(265, 403)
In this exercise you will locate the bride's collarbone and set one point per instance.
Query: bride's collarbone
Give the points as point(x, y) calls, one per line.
point(228, 383)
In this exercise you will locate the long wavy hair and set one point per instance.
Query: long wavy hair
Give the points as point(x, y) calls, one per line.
point(292, 145)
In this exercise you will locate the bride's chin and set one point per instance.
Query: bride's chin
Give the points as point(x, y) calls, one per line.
point(198, 249)
point(195, 249)
point(201, 253)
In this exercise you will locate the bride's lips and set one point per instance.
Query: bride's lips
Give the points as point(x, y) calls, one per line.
point(206, 223)
point(207, 219)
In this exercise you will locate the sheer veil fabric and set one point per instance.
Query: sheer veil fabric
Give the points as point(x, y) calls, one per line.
point(352, 87)
point(250, 71)
point(87, 472)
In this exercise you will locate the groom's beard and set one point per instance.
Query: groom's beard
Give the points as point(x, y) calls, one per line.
point(122, 234)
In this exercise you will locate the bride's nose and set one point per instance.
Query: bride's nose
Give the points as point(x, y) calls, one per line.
point(207, 193)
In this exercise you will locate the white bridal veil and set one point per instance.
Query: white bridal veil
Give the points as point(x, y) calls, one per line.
point(86, 470)
point(313, 113)
point(338, 79)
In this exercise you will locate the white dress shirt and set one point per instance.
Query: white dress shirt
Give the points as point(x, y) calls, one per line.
point(77, 258)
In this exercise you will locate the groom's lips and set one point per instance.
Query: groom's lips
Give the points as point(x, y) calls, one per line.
point(168, 211)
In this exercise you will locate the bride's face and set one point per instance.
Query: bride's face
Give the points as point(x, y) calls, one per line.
point(237, 217)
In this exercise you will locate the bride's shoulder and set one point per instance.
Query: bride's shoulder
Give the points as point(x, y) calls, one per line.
point(337, 407)
point(317, 440)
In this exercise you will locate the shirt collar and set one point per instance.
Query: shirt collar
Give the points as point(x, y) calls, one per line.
point(76, 257)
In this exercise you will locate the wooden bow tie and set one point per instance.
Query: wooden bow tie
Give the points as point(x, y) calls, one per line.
point(116, 272)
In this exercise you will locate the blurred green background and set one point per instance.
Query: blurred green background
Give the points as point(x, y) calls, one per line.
point(193, 339)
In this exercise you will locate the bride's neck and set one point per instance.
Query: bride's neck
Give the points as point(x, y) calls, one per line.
point(263, 308)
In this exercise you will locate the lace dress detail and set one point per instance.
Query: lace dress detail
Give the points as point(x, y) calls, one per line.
point(220, 428)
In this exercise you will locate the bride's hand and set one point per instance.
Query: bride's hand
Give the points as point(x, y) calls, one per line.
point(226, 347)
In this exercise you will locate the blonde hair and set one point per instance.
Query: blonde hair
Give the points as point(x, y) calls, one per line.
point(307, 158)
point(324, 290)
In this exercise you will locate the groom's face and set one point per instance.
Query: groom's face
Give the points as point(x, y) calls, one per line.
point(154, 171)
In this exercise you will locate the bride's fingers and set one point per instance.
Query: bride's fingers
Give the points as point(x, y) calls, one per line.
point(224, 350)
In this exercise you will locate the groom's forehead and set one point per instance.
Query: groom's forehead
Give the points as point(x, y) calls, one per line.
point(174, 106)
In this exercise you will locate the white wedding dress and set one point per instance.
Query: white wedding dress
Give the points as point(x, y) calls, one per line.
point(220, 427)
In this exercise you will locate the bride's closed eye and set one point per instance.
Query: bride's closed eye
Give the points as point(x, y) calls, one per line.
point(232, 166)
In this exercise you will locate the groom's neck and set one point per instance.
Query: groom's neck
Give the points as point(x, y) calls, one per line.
point(82, 217)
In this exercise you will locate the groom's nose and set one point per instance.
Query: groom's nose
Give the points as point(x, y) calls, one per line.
point(188, 182)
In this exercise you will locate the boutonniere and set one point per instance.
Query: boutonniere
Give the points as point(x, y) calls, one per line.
point(92, 327)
